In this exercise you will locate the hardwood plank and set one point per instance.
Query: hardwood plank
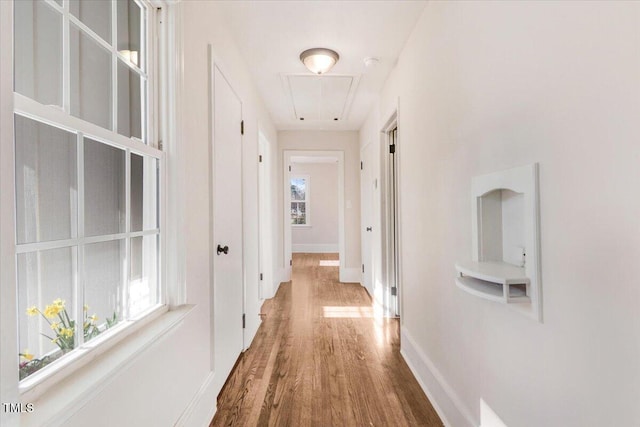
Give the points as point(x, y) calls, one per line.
point(321, 358)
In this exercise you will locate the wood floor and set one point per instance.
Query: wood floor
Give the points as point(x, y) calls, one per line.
point(320, 358)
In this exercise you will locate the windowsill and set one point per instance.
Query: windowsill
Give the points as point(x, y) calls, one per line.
point(83, 374)
point(301, 225)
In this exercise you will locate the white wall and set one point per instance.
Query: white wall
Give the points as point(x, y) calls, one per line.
point(204, 25)
point(346, 141)
point(322, 234)
point(484, 86)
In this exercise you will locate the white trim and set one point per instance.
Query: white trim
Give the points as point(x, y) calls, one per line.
point(57, 244)
point(266, 198)
point(68, 397)
point(339, 155)
point(8, 310)
point(314, 248)
point(392, 305)
point(171, 59)
point(54, 116)
point(282, 276)
point(350, 275)
point(200, 410)
point(444, 399)
point(39, 382)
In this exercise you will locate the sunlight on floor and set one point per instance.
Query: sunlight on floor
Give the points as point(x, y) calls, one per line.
point(347, 311)
point(380, 330)
point(329, 263)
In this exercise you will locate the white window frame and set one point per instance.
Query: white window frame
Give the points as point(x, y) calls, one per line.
point(306, 201)
point(61, 118)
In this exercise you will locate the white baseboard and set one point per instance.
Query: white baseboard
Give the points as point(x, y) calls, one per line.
point(314, 248)
point(200, 411)
point(443, 398)
point(250, 332)
point(350, 275)
point(284, 275)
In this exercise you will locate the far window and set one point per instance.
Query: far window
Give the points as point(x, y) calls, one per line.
point(300, 200)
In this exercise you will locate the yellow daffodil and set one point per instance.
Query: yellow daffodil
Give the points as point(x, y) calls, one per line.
point(52, 311)
point(66, 332)
point(59, 302)
point(93, 318)
point(32, 311)
point(55, 340)
point(86, 307)
point(26, 354)
point(55, 325)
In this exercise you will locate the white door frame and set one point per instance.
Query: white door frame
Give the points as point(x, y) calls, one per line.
point(265, 231)
point(367, 191)
point(339, 155)
point(392, 306)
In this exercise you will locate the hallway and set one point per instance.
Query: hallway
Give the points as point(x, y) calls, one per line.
point(321, 358)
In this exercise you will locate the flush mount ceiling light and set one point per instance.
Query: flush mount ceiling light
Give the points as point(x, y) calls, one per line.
point(319, 60)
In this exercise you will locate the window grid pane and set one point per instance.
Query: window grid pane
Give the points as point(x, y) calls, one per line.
point(131, 94)
point(38, 52)
point(46, 182)
point(131, 32)
point(143, 284)
point(116, 279)
point(94, 14)
point(103, 285)
point(46, 282)
point(91, 81)
point(104, 189)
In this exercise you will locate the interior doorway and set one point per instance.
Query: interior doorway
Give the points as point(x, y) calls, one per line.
point(295, 202)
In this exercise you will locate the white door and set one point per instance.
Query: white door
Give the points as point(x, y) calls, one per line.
point(367, 219)
point(264, 211)
point(227, 227)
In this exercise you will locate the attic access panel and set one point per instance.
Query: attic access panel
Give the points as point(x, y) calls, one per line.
point(320, 98)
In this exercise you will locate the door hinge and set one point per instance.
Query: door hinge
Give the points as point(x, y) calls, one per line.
point(160, 145)
point(394, 291)
point(290, 262)
point(260, 158)
point(261, 276)
point(361, 166)
point(392, 148)
point(363, 268)
point(244, 323)
point(242, 127)
point(289, 168)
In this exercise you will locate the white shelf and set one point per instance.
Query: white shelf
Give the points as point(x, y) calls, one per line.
point(497, 272)
point(505, 241)
point(493, 281)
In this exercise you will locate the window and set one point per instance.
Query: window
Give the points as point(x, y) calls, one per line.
point(300, 214)
point(87, 174)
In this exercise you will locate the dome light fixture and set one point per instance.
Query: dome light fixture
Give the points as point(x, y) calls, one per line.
point(319, 60)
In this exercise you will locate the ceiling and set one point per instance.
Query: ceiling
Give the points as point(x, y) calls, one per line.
point(271, 34)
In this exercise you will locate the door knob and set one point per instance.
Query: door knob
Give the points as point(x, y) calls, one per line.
point(369, 229)
point(224, 250)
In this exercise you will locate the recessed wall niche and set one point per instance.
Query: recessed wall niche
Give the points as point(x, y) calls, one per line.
point(504, 265)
